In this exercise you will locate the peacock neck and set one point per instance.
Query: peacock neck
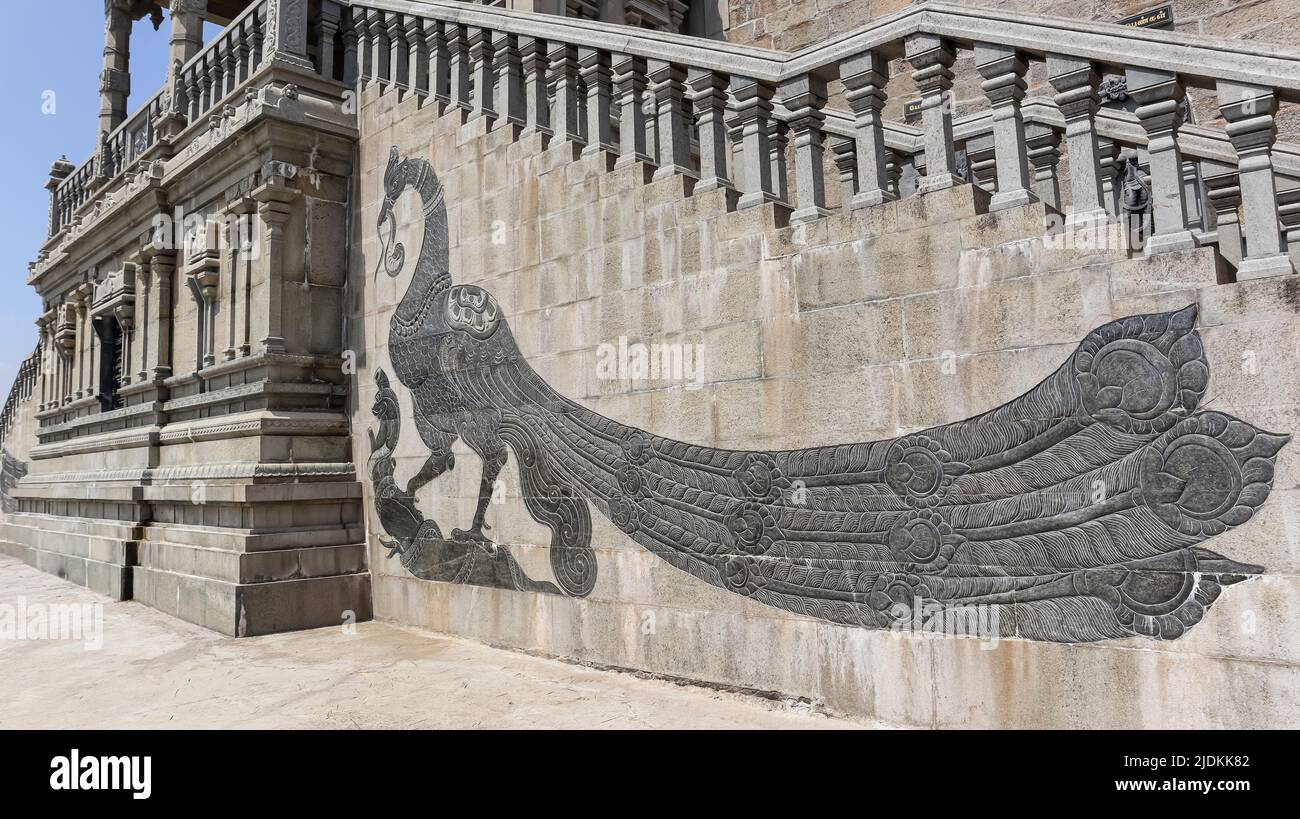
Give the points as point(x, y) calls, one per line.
point(432, 276)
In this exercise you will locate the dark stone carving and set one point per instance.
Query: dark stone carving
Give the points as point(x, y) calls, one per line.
point(1078, 510)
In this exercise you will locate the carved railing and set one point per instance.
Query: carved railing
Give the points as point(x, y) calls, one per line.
point(728, 116)
point(220, 72)
point(19, 392)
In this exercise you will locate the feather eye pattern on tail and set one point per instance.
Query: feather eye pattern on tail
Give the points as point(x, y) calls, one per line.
point(1076, 509)
point(1075, 512)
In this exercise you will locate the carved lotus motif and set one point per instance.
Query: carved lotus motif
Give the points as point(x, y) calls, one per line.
point(919, 469)
point(923, 541)
point(624, 514)
point(1144, 373)
point(1208, 474)
point(749, 527)
point(637, 448)
point(760, 477)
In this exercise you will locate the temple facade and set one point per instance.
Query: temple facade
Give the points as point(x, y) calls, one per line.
point(932, 361)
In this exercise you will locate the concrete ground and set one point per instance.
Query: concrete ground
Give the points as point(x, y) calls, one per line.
point(153, 671)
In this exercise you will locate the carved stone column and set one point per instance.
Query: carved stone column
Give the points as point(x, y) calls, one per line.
point(115, 79)
point(595, 72)
point(535, 64)
point(1250, 110)
point(157, 351)
point(1223, 189)
point(630, 84)
point(1076, 84)
point(81, 297)
point(187, 30)
point(865, 77)
point(668, 85)
point(398, 60)
point(564, 76)
point(1003, 70)
point(805, 96)
point(274, 207)
point(1159, 96)
point(480, 57)
point(932, 58)
point(510, 80)
point(752, 115)
point(1044, 150)
point(709, 96)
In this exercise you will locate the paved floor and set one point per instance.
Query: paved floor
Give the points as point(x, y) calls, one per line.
point(153, 671)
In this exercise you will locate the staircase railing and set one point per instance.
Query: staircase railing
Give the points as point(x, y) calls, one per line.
point(723, 114)
point(19, 392)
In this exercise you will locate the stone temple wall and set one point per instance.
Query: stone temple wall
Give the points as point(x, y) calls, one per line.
point(860, 326)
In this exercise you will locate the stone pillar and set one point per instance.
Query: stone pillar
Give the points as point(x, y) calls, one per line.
point(564, 76)
point(804, 97)
point(1076, 83)
point(865, 77)
point(1250, 110)
point(480, 57)
point(1159, 95)
point(510, 80)
point(458, 67)
point(932, 58)
point(162, 266)
point(439, 70)
point(1224, 192)
point(595, 72)
point(668, 85)
point(115, 79)
point(630, 83)
point(752, 115)
point(352, 50)
point(274, 207)
point(398, 59)
point(417, 56)
point(330, 15)
point(1108, 157)
point(535, 64)
point(709, 96)
point(380, 67)
point(1003, 70)
point(1044, 149)
point(365, 45)
point(81, 297)
point(187, 30)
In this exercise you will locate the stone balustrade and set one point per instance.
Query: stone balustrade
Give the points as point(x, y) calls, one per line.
point(218, 74)
point(722, 115)
point(21, 391)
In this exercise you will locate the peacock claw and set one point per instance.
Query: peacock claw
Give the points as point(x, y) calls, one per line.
point(474, 535)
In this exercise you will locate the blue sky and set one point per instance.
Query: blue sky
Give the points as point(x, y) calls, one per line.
point(51, 46)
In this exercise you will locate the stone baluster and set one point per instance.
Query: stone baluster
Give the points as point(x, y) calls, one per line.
point(1076, 83)
point(352, 49)
point(246, 51)
point(751, 116)
point(564, 76)
point(399, 61)
point(458, 67)
point(981, 156)
point(1223, 189)
point(1289, 213)
point(217, 70)
point(1159, 96)
point(932, 58)
point(894, 163)
point(1003, 70)
point(327, 28)
point(480, 56)
point(668, 84)
point(510, 79)
point(779, 139)
point(843, 154)
point(1044, 150)
point(593, 65)
point(417, 56)
point(194, 90)
point(709, 98)
point(365, 44)
point(232, 62)
point(536, 64)
point(256, 41)
point(435, 44)
point(1108, 162)
point(805, 97)
point(379, 61)
point(1250, 110)
point(630, 85)
point(865, 77)
point(205, 83)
